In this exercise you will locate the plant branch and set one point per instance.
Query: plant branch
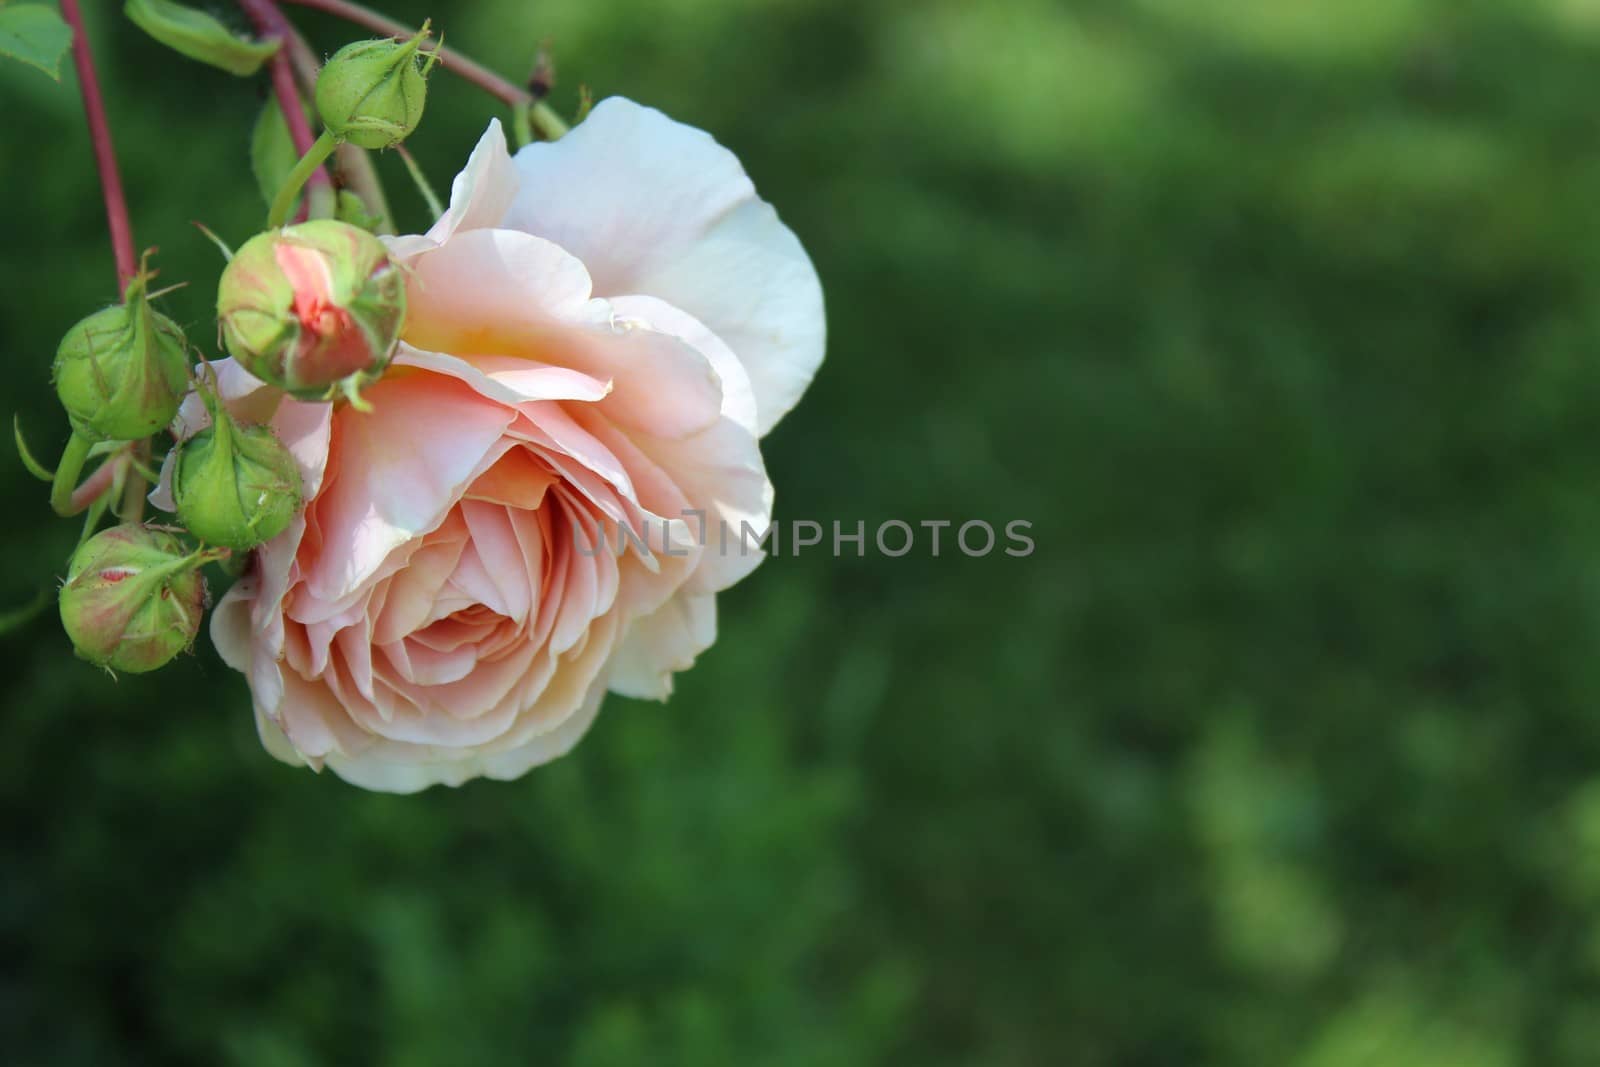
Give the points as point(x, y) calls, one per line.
point(420, 180)
point(309, 165)
point(304, 61)
point(273, 26)
point(353, 164)
point(105, 153)
point(133, 490)
point(543, 117)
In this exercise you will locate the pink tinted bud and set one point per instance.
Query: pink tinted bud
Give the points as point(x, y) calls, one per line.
point(133, 598)
point(314, 309)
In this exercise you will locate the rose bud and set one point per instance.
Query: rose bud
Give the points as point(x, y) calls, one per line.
point(133, 598)
point(370, 94)
point(314, 309)
point(122, 371)
point(235, 486)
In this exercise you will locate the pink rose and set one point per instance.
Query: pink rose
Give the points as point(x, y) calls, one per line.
point(600, 331)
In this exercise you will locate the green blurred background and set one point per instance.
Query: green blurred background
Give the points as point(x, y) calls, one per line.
point(1277, 318)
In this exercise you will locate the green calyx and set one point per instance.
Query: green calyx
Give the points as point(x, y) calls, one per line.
point(235, 486)
point(371, 93)
point(122, 371)
point(133, 598)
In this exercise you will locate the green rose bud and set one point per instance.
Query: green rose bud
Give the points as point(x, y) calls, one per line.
point(314, 309)
point(133, 598)
point(235, 486)
point(122, 372)
point(371, 93)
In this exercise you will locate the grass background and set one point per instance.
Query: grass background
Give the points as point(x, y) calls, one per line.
point(1278, 321)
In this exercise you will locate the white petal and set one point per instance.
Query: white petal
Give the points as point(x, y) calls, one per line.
point(410, 769)
point(231, 631)
point(552, 744)
point(657, 208)
point(662, 643)
point(479, 196)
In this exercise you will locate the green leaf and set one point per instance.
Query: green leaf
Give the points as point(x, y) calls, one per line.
point(272, 154)
point(199, 36)
point(35, 35)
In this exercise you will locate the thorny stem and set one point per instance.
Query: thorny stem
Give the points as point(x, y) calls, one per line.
point(542, 116)
point(105, 153)
point(272, 25)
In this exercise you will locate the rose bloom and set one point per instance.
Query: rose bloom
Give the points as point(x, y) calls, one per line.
point(599, 332)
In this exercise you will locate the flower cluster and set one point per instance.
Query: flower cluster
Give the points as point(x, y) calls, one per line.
point(395, 456)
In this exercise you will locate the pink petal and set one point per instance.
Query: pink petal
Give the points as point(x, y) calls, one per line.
point(517, 480)
point(738, 398)
point(487, 290)
point(401, 469)
point(508, 379)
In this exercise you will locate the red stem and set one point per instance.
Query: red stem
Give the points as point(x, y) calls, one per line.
point(272, 25)
point(105, 154)
point(453, 61)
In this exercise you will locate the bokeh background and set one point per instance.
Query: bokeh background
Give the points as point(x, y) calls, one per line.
point(1280, 321)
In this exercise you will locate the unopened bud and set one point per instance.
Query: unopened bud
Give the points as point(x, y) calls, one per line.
point(133, 598)
point(122, 371)
point(314, 309)
point(235, 486)
point(371, 93)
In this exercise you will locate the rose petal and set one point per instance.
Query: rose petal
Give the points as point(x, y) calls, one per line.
point(427, 437)
point(400, 771)
point(738, 398)
point(508, 379)
point(654, 207)
point(479, 195)
point(661, 643)
point(493, 287)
